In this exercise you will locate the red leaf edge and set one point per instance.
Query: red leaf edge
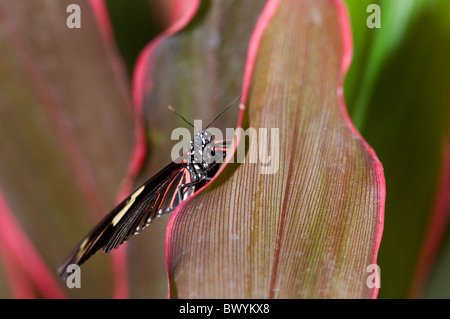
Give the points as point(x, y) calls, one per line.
point(435, 230)
point(17, 249)
point(168, 12)
point(17, 281)
point(347, 42)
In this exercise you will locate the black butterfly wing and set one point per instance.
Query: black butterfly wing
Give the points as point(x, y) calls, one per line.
point(157, 196)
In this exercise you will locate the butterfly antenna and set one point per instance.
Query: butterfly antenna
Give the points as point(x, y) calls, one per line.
point(230, 105)
point(181, 116)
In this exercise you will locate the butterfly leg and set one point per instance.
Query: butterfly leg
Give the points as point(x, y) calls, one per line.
point(181, 187)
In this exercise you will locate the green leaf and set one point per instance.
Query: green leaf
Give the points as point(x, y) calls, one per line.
point(373, 47)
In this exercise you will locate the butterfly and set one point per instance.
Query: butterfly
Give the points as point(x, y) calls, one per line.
point(160, 195)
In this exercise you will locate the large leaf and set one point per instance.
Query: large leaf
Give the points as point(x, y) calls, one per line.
point(313, 227)
point(66, 137)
